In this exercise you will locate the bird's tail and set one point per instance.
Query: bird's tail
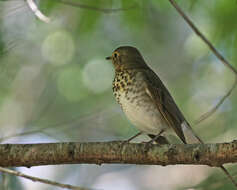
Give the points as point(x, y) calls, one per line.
point(190, 135)
point(193, 138)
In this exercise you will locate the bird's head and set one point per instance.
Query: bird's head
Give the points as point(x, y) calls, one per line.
point(127, 57)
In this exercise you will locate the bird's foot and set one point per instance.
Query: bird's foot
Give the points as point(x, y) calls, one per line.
point(148, 145)
point(125, 142)
point(160, 140)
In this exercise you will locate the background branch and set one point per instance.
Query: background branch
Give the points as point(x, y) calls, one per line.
point(216, 53)
point(92, 8)
point(116, 152)
point(45, 181)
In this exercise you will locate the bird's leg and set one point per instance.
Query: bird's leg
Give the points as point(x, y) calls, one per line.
point(161, 140)
point(133, 137)
point(156, 137)
point(153, 139)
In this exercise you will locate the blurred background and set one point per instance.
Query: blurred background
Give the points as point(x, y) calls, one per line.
point(56, 84)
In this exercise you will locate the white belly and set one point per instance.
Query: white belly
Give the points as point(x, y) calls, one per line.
point(143, 115)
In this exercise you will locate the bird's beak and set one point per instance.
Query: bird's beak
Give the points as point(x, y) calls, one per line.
point(108, 58)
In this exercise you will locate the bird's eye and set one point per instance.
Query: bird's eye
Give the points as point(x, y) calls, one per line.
point(115, 55)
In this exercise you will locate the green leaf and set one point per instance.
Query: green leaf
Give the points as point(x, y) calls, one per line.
point(134, 17)
point(47, 6)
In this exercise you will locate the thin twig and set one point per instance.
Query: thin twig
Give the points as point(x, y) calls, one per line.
point(60, 125)
point(104, 10)
point(212, 110)
point(14, 10)
point(45, 181)
point(10, 46)
point(21, 134)
point(197, 31)
point(9, 0)
point(217, 54)
point(37, 12)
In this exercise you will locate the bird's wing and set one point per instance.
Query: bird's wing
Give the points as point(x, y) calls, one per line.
point(165, 103)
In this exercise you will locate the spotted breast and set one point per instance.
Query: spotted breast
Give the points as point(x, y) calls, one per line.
point(129, 91)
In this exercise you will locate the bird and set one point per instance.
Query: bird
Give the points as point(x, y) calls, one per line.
point(143, 97)
point(146, 101)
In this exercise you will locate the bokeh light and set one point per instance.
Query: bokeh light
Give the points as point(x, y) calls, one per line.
point(70, 83)
point(98, 75)
point(58, 47)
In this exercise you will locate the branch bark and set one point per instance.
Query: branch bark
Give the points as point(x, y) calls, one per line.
point(116, 152)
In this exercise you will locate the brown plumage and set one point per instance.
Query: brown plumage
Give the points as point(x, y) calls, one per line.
point(142, 95)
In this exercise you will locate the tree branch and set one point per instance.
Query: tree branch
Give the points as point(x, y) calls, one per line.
point(116, 152)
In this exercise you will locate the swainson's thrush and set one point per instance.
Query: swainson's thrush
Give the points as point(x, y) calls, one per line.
point(142, 95)
point(144, 98)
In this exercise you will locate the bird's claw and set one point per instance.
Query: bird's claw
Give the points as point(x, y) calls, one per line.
point(148, 145)
point(125, 142)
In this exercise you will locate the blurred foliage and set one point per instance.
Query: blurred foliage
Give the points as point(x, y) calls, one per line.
point(56, 83)
point(10, 182)
point(215, 182)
